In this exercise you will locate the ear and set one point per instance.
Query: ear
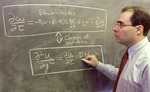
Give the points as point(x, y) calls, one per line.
point(140, 29)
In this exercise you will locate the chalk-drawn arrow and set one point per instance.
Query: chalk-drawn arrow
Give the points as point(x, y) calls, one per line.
point(59, 37)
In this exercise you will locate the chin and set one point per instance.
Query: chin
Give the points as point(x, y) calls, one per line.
point(118, 41)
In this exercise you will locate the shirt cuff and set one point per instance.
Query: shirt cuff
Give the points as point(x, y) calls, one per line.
point(100, 66)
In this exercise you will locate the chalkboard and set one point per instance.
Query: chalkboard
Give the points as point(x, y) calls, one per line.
point(42, 43)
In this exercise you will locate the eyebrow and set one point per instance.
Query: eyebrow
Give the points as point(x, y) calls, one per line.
point(121, 22)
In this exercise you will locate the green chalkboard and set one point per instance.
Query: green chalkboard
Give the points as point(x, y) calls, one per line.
point(42, 44)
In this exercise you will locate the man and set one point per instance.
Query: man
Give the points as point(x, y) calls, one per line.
point(131, 29)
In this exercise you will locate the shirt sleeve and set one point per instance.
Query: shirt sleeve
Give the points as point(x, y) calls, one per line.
point(146, 79)
point(108, 70)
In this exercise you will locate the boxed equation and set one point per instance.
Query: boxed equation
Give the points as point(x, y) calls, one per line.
point(62, 59)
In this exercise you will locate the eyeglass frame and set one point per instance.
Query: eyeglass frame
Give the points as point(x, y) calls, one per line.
point(121, 24)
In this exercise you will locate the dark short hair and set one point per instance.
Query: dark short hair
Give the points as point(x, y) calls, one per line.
point(140, 17)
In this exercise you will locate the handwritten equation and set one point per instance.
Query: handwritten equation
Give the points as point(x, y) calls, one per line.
point(61, 59)
point(40, 19)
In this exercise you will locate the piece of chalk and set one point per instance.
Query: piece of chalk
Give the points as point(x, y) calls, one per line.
point(83, 59)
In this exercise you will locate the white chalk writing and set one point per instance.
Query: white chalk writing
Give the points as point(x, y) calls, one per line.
point(46, 60)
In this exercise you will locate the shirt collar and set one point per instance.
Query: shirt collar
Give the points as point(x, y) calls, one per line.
point(133, 49)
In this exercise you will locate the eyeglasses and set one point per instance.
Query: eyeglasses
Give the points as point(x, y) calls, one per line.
point(120, 24)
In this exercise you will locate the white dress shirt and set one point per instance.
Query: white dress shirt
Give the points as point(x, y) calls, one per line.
point(135, 76)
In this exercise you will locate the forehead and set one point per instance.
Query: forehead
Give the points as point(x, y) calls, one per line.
point(125, 17)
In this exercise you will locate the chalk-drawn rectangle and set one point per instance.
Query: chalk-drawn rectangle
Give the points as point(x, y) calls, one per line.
point(54, 60)
point(41, 19)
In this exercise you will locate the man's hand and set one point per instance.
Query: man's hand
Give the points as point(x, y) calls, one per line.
point(91, 60)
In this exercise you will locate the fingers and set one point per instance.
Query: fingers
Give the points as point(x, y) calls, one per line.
point(89, 57)
point(86, 61)
point(91, 60)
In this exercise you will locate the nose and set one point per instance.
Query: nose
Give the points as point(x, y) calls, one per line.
point(115, 29)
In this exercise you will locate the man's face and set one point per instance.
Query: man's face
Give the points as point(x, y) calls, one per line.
point(124, 32)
